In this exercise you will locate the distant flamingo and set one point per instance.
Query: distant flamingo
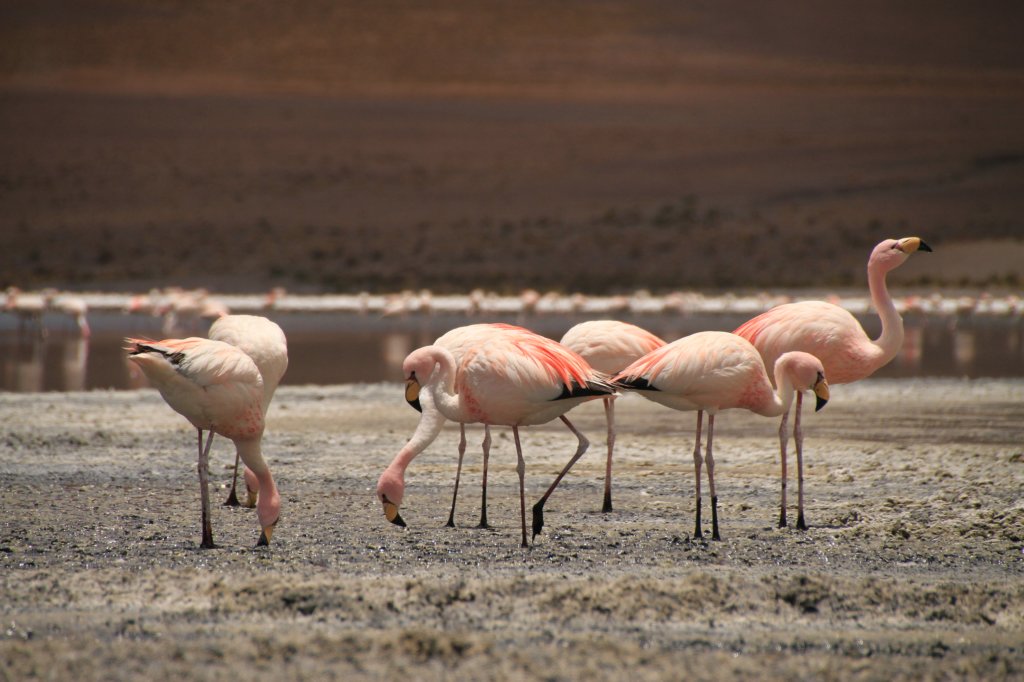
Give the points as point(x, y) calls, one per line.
point(834, 336)
point(712, 371)
point(516, 379)
point(610, 346)
point(28, 308)
point(218, 388)
point(264, 342)
point(72, 306)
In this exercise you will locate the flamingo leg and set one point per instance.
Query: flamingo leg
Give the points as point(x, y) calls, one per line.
point(486, 446)
point(783, 443)
point(709, 459)
point(232, 500)
point(204, 490)
point(458, 474)
point(798, 436)
point(538, 509)
point(521, 470)
point(697, 534)
point(609, 413)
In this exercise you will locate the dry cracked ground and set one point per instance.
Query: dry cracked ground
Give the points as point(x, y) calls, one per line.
point(912, 568)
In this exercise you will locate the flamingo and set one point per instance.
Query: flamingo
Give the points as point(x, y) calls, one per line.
point(264, 342)
point(834, 336)
point(515, 379)
point(73, 306)
point(712, 371)
point(218, 388)
point(459, 341)
point(29, 310)
point(610, 346)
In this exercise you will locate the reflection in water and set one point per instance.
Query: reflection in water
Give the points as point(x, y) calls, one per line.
point(333, 349)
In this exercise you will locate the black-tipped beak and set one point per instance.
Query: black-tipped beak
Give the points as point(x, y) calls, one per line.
point(391, 513)
point(821, 393)
point(924, 247)
point(412, 392)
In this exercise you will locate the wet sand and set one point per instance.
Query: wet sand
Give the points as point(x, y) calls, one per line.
point(912, 567)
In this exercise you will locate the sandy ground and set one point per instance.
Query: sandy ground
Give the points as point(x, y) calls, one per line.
point(912, 567)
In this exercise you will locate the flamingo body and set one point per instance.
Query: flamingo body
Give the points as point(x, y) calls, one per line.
point(832, 334)
point(713, 371)
point(517, 378)
point(610, 346)
point(218, 388)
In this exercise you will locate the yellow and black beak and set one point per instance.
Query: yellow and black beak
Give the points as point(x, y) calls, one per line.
point(268, 532)
point(820, 389)
point(412, 392)
point(909, 245)
point(391, 512)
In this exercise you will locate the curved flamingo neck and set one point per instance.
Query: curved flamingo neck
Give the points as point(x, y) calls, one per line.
point(427, 430)
point(891, 338)
point(441, 387)
point(782, 397)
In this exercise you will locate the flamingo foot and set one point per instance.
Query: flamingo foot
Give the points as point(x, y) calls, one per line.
point(538, 518)
point(714, 519)
point(483, 522)
point(451, 521)
point(782, 518)
point(232, 500)
point(697, 533)
point(607, 506)
point(800, 523)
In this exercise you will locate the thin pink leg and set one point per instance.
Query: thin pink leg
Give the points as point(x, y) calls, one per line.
point(458, 474)
point(783, 443)
point(581, 447)
point(697, 533)
point(204, 489)
point(609, 413)
point(486, 447)
point(521, 470)
point(799, 438)
point(709, 459)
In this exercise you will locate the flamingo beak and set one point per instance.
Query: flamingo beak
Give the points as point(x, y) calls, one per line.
point(912, 244)
point(391, 513)
point(820, 393)
point(412, 392)
point(268, 532)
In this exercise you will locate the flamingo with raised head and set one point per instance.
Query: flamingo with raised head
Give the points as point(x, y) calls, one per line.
point(264, 342)
point(833, 335)
point(219, 389)
point(515, 379)
point(713, 371)
point(610, 346)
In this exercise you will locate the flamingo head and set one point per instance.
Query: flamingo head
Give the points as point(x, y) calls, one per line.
point(892, 253)
point(807, 374)
point(390, 489)
point(418, 367)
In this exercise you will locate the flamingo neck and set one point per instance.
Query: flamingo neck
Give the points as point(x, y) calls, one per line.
point(268, 505)
point(441, 387)
point(427, 430)
point(891, 338)
point(782, 397)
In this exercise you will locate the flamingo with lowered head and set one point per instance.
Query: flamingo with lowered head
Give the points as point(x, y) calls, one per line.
point(834, 336)
point(610, 346)
point(713, 371)
point(517, 378)
point(264, 342)
point(218, 388)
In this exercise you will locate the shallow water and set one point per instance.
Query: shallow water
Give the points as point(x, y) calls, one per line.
point(337, 348)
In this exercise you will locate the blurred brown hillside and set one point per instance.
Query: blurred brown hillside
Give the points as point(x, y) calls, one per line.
point(581, 144)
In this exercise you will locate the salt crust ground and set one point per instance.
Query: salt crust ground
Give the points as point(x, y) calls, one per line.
point(912, 569)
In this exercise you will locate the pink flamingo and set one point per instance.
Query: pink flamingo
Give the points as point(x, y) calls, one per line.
point(834, 336)
point(516, 379)
point(610, 346)
point(264, 342)
point(459, 341)
point(712, 371)
point(218, 388)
